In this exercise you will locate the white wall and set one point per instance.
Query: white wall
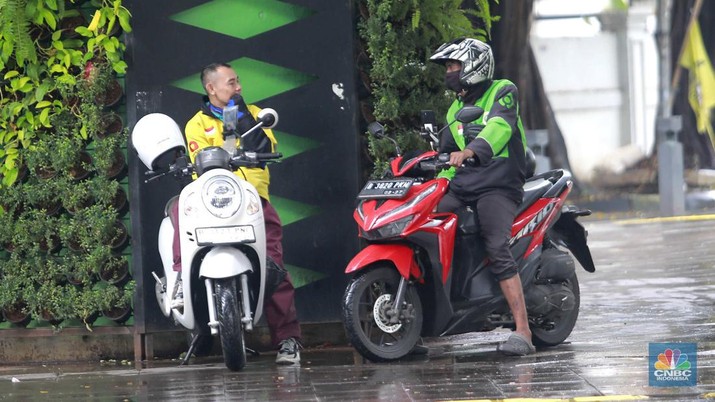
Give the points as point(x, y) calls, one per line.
point(600, 74)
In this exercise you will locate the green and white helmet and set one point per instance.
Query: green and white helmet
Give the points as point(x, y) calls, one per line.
point(476, 57)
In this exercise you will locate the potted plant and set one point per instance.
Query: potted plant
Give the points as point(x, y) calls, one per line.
point(12, 199)
point(43, 195)
point(103, 190)
point(75, 196)
point(115, 270)
point(39, 159)
point(111, 124)
point(87, 303)
point(109, 159)
point(12, 303)
point(119, 302)
point(71, 158)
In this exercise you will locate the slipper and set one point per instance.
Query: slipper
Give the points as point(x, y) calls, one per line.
point(516, 345)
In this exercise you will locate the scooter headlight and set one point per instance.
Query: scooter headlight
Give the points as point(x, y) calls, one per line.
point(221, 196)
point(392, 229)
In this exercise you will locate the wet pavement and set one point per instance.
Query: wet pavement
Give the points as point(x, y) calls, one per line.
point(653, 283)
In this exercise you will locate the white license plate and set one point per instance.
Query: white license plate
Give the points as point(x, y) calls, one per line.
point(376, 189)
point(225, 235)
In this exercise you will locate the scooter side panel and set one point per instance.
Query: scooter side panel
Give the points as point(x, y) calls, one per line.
point(166, 235)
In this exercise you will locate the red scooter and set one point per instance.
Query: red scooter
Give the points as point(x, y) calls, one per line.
point(426, 274)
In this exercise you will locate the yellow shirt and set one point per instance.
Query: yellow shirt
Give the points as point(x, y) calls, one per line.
point(204, 131)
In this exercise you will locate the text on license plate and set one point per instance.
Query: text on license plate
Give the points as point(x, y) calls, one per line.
point(385, 188)
point(225, 235)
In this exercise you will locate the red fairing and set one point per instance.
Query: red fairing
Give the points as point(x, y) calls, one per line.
point(399, 254)
point(537, 219)
point(446, 231)
point(375, 211)
point(409, 164)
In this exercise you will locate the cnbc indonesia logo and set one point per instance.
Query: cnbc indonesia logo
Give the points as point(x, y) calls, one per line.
point(673, 364)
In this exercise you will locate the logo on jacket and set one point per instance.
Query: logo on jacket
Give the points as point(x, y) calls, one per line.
point(193, 146)
point(507, 101)
point(210, 130)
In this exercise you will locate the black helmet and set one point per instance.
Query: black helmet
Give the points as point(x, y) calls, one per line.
point(476, 57)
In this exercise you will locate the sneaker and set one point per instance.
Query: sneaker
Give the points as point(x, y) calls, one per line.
point(289, 352)
point(178, 301)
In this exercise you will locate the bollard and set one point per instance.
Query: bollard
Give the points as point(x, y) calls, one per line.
point(671, 185)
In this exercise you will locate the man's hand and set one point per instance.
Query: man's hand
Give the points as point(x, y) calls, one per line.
point(458, 158)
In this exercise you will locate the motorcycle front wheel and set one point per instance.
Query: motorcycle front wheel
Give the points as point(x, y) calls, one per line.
point(228, 314)
point(561, 323)
point(369, 322)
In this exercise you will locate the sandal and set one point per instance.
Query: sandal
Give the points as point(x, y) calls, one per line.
point(516, 345)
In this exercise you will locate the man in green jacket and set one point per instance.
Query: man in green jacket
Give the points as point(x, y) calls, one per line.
point(493, 184)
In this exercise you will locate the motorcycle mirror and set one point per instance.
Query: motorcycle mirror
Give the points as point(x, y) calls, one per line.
point(269, 117)
point(376, 129)
point(468, 114)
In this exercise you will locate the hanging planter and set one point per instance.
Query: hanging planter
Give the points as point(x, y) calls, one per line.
point(111, 124)
point(120, 203)
point(119, 314)
point(120, 239)
point(115, 271)
point(17, 314)
point(48, 316)
point(112, 94)
point(80, 170)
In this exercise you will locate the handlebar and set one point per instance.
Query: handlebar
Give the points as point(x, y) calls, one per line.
point(441, 162)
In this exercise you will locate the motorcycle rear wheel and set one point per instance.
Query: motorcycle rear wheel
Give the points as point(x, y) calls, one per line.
point(379, 286)
point(563, 322)
point(228, 314)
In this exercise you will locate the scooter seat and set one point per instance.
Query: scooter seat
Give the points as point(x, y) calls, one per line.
point(533, 190)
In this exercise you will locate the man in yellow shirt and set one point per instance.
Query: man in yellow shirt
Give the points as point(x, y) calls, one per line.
point(205, 129)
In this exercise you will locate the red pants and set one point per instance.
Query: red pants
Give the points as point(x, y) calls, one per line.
point(281, 314)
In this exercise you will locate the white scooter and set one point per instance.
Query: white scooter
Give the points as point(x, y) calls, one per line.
point(222, 235)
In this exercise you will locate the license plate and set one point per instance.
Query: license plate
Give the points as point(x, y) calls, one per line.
point(396, 188)
point(225, 235)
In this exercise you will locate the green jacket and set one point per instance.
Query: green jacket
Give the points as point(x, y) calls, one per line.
point(498, 141)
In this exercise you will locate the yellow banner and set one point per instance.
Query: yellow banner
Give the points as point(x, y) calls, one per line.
point(701, 91)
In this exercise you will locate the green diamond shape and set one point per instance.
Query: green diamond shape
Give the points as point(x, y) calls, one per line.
point(292, 211)
point(303, 276)
point(260, 80)
point(242, 18)
point(291, 145)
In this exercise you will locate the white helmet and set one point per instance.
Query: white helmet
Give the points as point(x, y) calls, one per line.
point(476, 57)
point(154, 135)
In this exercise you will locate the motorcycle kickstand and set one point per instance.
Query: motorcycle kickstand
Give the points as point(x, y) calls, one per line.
point(194, 341)
point(253, 352)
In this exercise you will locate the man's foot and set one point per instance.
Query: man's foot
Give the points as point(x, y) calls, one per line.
point(289, 352)
point(516, 345)
point(178, 301)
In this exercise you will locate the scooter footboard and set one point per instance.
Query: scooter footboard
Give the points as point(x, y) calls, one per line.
point(399, 254)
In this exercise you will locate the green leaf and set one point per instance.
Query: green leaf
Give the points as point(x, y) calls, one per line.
point(124, 21)
point(43, 104)
point(10, 74)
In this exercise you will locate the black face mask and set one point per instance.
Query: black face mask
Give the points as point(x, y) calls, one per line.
point(451, 80)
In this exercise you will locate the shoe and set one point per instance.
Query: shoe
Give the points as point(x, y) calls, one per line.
point(178, 301)
point(289, 352)
point(516, 345)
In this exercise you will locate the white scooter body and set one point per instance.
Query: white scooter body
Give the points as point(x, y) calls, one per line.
point(222, 260)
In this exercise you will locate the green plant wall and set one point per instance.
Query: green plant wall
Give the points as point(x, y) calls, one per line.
point(64, 255)
point(396, 40)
